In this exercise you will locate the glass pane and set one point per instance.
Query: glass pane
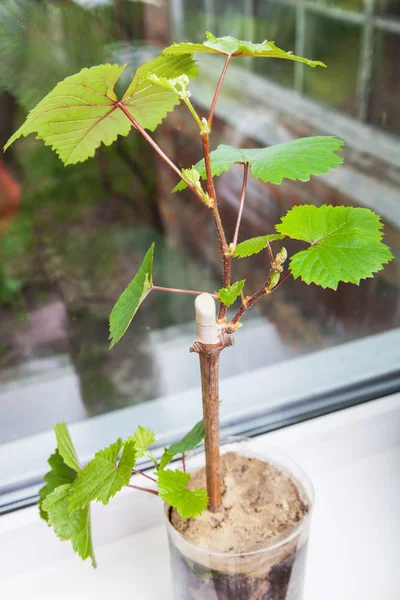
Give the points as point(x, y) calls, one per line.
point(276, 21)
point(195, 22)
point(388, 8)
point(71, 238)
point(336, 87)
point(230, 18)
point(352, 5)
point(385, 87)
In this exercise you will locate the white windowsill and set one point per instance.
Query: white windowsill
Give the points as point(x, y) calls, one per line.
point(353, 458)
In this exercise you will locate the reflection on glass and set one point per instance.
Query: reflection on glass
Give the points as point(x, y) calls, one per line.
point(276, 22)
point(195, 22)
point(230, 18)
point(71, 238)
point(385, 88)
point(337, 44)
point(352, 5)
point(388, 8)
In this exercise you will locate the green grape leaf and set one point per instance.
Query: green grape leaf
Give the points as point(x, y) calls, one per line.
point(188, 442)
point(65, 446)
point(83, 111)
point(298, 159)
point(172, 489)
point(74, 526)
point(128, 303)
point(255, 245)
point(142, 438)
point(101, 479)
point(59, 474)
point(230, 46)
point(229, 294)
point(345, 244)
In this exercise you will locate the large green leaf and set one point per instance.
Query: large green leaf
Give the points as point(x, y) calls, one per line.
point(230, 46)
point(101, 479)
point(65, 446)
point(345, 244)
point(59, 474)
point(172, 489)
point(83, 110)
point(130, 300)
point(74, 526)
point(298, 159)
point(188, 442)
point(255, 245)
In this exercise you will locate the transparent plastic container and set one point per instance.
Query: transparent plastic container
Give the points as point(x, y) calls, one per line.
point(275, 572)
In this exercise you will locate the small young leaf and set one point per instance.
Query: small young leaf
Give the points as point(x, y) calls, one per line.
point(65, 446)
point(101, 479)
point(143, 438)
point(179, 85)
point(172, 489)
point(345, 244)
point(230, 46)
point(229, 294)
point(296, 160)
point(188, 442)
point(83, 111)
point(59, 474)
point(74, 526)
point(255, 245)
point(130, 300)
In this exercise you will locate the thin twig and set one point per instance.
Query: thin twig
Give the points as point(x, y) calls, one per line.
point(142, 489)
point(144, 475)
point(217, 91)
point(271, 254)
point(183, 462)
point(259, 294)
point(242, 198)
point(157, 148)
point(179, 291)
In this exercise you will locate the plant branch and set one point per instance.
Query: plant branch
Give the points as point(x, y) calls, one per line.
point(209, 369)
point(217, 91)
point(205, 138)
point(242, 198)
point(179, 291)
point(142, 489)
point(144, 475)
point(193, 113)
point(157, 148)
point(263, 291)
point(271, 255)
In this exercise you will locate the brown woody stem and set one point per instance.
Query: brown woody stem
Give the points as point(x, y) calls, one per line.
point(217, 219)
point(209, 368)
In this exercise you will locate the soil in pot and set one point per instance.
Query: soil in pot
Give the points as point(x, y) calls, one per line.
point(250, 549)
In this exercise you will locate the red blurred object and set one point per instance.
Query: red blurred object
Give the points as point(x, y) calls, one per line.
point(10, 198)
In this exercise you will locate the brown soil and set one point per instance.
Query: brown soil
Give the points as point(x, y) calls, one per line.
point(261, 505)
